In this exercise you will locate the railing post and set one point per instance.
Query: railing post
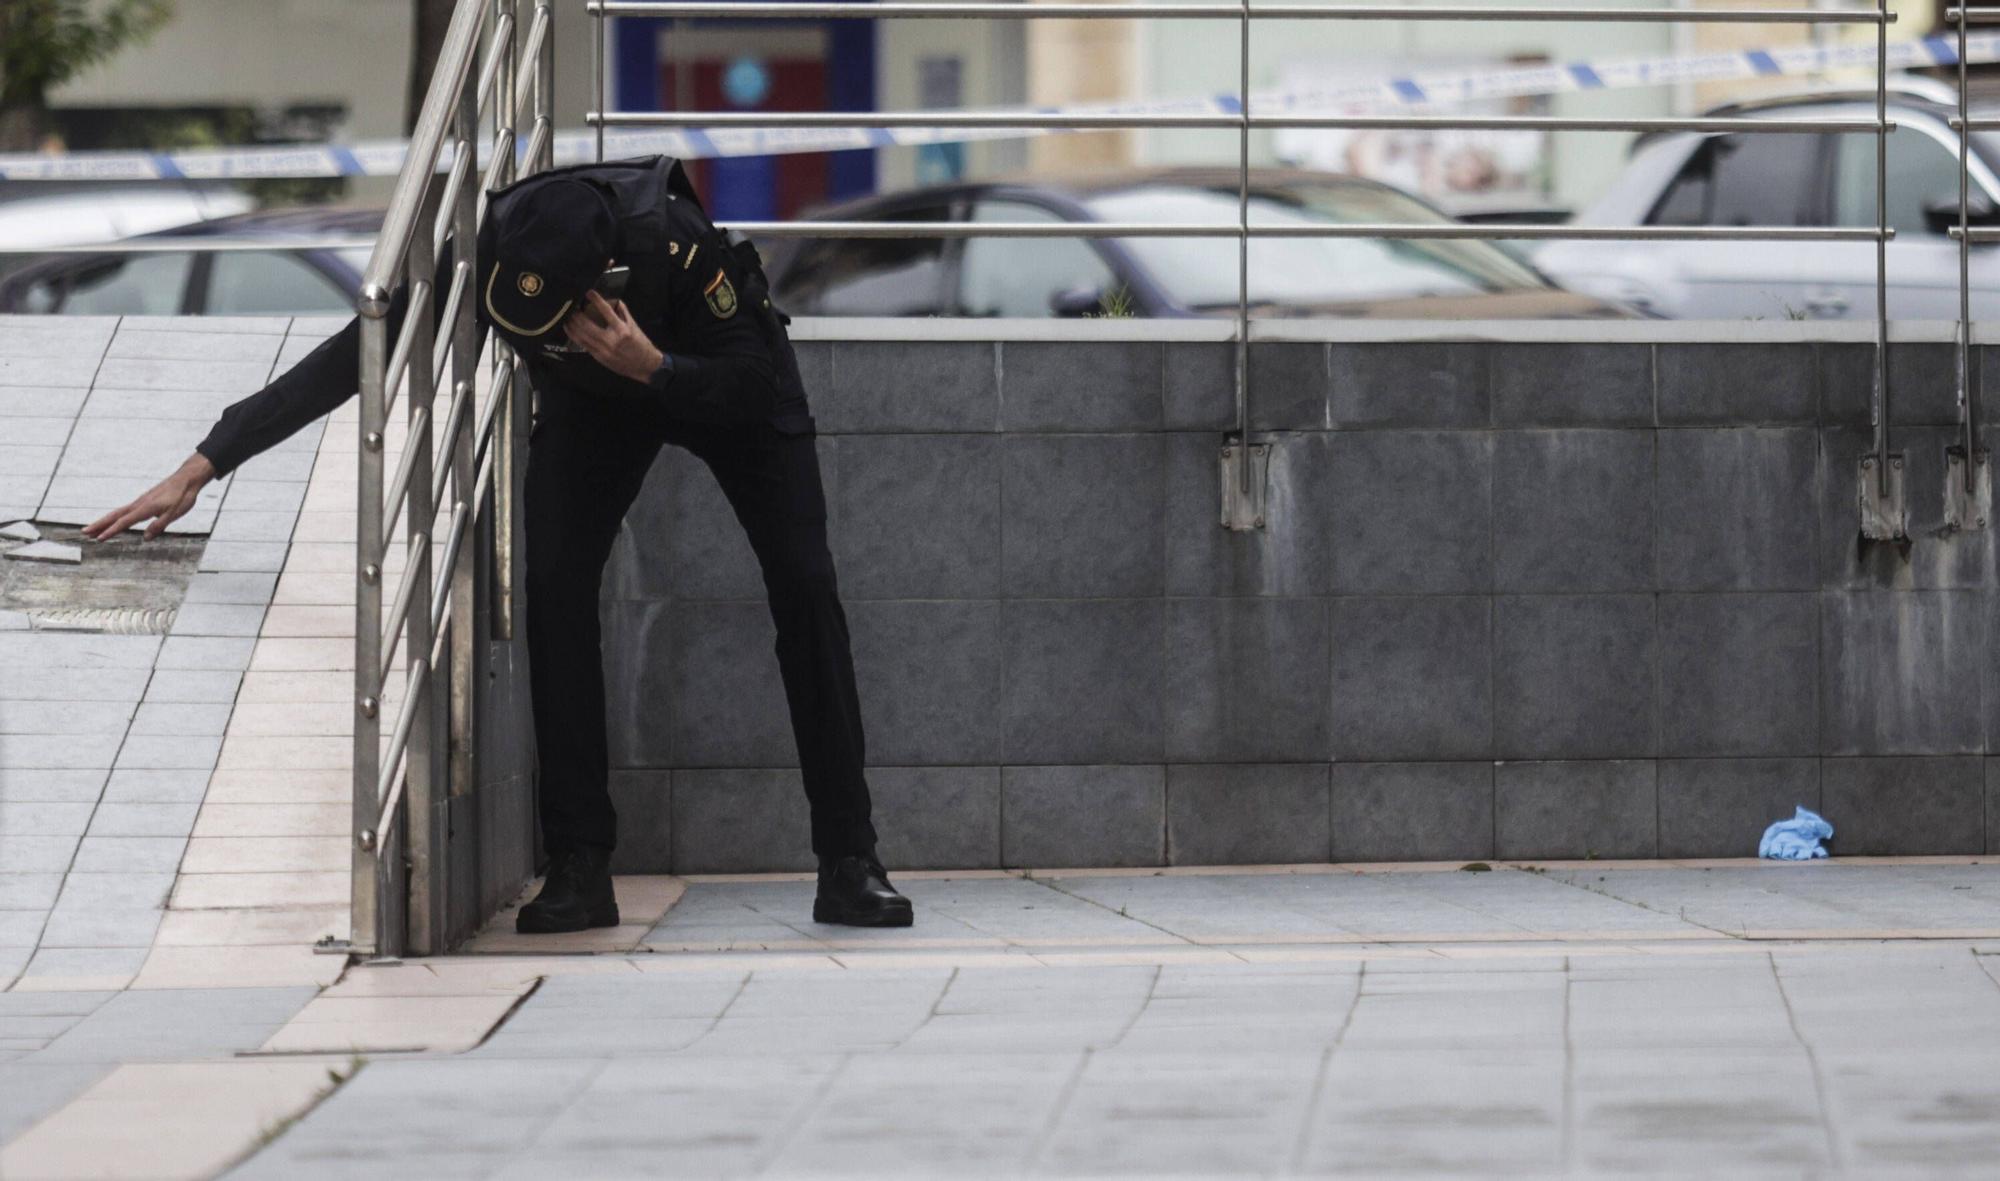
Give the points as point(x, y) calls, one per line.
point(420, 515)
point(1242, 468)
point(506, 98)
point(466, 585)
point(1243, 241)
point(365, 904)
point(599, 25)
point(1968, 492)
point(1882, 507)
point(545, 94)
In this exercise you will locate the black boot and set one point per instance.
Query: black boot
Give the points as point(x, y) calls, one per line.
point(575, 897)
point(855, 890)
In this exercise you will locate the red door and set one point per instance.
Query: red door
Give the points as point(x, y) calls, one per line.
point(748, 187)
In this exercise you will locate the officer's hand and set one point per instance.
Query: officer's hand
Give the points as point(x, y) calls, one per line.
point(613, 338)
point(165, 503)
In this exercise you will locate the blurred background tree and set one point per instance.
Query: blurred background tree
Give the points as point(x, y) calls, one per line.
point(44, 43)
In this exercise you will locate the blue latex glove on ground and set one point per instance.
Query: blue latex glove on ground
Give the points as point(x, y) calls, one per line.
point(1797, 839)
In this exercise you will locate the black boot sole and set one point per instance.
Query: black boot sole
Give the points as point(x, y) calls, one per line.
point(529, 923)
point(828, 911)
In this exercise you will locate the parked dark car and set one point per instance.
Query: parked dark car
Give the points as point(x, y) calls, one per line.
point(1166, 277)
point(292, 280)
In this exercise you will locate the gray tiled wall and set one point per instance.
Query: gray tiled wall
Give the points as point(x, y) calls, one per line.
point(1514, 600)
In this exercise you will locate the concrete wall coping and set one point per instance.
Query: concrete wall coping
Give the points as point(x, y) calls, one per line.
point(1384, 331)
point(869, 328)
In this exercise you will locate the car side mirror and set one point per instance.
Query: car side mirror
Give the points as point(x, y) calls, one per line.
point(1941, 214)
point(1076, 302)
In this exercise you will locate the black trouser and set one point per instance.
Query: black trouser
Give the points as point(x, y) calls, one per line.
point(585, 466)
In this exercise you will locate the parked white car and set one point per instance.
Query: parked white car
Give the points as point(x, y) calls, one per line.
point(1794, 179)
point(36, 214)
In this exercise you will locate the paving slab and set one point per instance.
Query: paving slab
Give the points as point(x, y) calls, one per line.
point(1668, 1062)
point(46, 551)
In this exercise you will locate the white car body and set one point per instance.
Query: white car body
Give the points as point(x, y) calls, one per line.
point(36, 215)
point(1726, 280)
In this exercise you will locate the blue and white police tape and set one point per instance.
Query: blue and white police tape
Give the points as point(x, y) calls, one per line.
point(1411, 92)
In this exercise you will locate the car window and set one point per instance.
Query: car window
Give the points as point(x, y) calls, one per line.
point(1023, 276)
point(270, 282)
point(129, 285)
point(1921, 171)
point(868, 276)
point(1746, 180)
point(1200, 273)
point(1350, 202)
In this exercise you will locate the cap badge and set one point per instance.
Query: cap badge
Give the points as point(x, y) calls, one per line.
point(530, 284)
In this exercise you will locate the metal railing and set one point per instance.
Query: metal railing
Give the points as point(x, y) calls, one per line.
point(490, 75)
point(1881, 514)
point(1968, 472)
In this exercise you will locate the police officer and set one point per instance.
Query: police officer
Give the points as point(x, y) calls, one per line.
point(691, 354)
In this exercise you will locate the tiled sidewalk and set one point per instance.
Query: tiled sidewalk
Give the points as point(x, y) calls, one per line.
point(108, 743)
point(1597, 1020)
point(1592, 1020)
point(159, 793)
point(173, 811)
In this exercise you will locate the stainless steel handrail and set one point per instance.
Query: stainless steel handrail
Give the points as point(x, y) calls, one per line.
point(1457, 231)
point(196, 243)
point(1135, 121)
point(406, 199)
point(898, 10)
point(1243, 121)
point(486, 76)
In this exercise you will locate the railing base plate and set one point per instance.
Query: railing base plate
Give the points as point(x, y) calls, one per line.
point(1968, 504)
point(1243, 500)
point(1884, 511)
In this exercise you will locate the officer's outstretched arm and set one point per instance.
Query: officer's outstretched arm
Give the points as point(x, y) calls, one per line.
point(322, 380)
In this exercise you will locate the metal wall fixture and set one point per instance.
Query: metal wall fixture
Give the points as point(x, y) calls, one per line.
point(1882, 514)
point(1968, 486)
point(490, 75)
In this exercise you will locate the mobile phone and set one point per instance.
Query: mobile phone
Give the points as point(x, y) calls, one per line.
point(611, 284)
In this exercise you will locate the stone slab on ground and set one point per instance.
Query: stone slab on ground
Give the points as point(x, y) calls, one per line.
point(46, 551)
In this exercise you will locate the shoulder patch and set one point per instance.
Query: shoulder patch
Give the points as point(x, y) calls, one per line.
point(721, 295)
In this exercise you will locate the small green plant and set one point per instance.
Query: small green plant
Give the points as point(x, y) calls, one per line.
point(1475, 867)
point(276, 1128)
point(1115, 304)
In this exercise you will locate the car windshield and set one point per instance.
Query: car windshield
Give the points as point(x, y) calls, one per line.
point(1201, 272)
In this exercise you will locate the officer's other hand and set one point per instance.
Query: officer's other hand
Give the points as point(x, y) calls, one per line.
point(166, 502)
point(608, 333)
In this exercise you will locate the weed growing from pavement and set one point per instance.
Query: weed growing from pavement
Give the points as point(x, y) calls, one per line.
point(277, 1128)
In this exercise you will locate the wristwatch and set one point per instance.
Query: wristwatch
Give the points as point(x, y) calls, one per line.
point(664, 374)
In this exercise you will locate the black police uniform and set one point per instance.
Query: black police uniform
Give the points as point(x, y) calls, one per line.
point(730, 393)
